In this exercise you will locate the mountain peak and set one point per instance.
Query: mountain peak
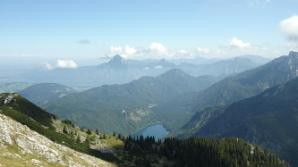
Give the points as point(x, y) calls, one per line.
point(117, 58)
point(289, 61)
point(293, 54)
point(117, 61)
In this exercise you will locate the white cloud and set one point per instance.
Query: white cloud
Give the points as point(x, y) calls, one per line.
point(203, 51)
point(125, 51)
point(234, 47)
point(66, 63)
point(130, 50)
point(115, 49)
point(158, 48)
point(183, 52)
point(155, 50)
point(237, 43)
point(289, 27)
point(62, 63)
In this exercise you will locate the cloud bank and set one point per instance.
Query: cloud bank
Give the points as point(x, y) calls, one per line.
point(238, 43)
point(231, 48)
point(158, 48)
point(66, 63)
point(203, 51)
point(125, 51)
point(62, 64)
point(154, 50)
point(289, 27)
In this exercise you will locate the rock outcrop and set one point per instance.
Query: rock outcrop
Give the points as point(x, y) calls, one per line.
point(20, 146)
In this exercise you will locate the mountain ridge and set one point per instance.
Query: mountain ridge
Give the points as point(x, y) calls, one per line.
point(120, 71)
point(43, 93)
point(130, 104)
point(268, 119)
point(271, 74)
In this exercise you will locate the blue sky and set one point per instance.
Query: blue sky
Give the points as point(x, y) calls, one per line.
point(99, 28)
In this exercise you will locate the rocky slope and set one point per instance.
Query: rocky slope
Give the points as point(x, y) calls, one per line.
point(20, 146)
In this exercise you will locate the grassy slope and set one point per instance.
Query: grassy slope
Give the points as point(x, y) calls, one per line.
point(48, 125)
point(12, 156)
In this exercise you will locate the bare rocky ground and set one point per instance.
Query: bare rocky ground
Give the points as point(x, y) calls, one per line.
point(20, 146)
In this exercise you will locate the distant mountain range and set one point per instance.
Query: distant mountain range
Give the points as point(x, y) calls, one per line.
point(128, 107)
point(119, 63)
point(250, 82)
point(116, 71)
point(13, 86)
point(120, 71)
point(224, 68)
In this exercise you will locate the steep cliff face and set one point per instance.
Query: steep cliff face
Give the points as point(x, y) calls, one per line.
point(20, 146)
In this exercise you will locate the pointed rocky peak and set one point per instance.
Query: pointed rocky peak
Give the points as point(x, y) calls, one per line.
point(117, 59)
point(293, 54)
point(117, 62)
point(289, 62)
point(293, 61)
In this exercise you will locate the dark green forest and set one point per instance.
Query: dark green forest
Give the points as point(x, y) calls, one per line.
point(193, 152)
